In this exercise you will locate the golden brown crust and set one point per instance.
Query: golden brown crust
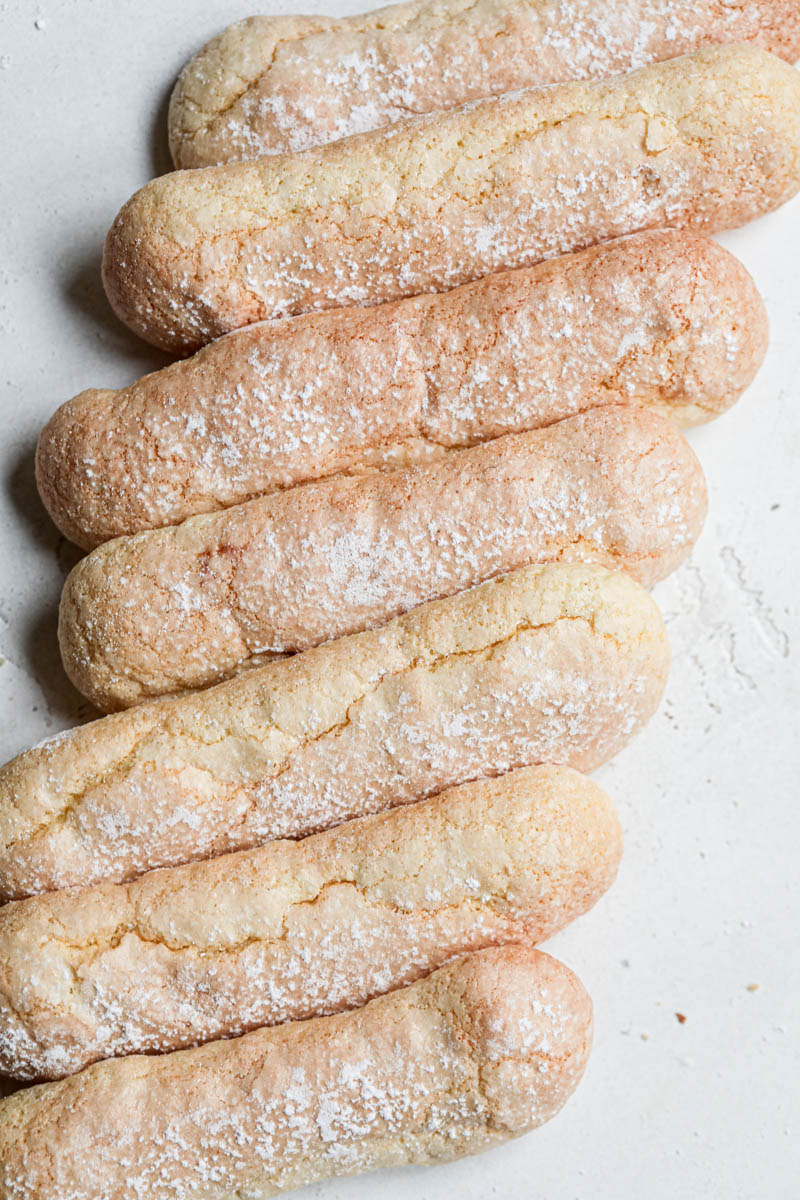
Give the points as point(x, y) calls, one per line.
point(550, 664)
point(298, 929)
point(666, 320)
point(481, 1051)
point(706, 142)
point(184, 607)
point(270, 85)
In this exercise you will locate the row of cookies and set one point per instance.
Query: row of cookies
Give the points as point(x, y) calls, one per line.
point(253, 571)
point(331, 471)
point(365, 739)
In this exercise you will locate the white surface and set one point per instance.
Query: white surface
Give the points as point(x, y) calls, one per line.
point(708, 897)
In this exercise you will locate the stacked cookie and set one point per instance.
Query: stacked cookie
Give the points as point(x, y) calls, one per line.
point(366, 579)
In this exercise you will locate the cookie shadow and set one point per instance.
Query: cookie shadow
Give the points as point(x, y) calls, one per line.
point(9, 1086)
point(39, 633)
point(40, 641)
point(82, 289)
point(78, 281)
point(80, 277)
point(160, 155)
point(25, 500)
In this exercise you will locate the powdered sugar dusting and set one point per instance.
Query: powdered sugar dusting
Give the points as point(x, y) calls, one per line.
point(662, 319)
point(363, 74)
point(387, 728)
point(434, 202)
point(613, 485)
point(288, 932)
point(451, 1065)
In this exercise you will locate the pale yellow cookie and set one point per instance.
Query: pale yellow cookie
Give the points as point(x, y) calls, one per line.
point(707, 142)
point(549, 664)
point(298, 929)
point(269, 85)
point(479, 1052)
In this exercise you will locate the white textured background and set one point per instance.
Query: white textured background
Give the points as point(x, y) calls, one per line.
point(708, 898)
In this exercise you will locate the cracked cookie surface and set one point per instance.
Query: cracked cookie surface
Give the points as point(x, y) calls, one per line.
point(269, 85)
point(478, 1052)
point(665, 320)
point(188, 606)
point(705, 142)
point(561, 663)
point(298, 929)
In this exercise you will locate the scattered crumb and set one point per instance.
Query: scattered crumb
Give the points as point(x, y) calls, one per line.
point(752, 987)
point(40, 23)
point(643, 1036)
point(681, 1018)
point(624, 962)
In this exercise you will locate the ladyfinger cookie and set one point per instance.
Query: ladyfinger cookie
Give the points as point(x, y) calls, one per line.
point(562, 663)
point(478, 1052)
point(188, 606)
point(269, 85)
point(668, 320)
point(707, 141)
point(298, 929)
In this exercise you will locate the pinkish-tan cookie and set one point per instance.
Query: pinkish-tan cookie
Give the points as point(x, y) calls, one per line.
point(479, 1052)
point(667, 320)
point(706, 142)
point(269, 85)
